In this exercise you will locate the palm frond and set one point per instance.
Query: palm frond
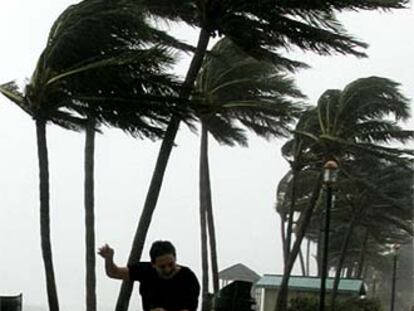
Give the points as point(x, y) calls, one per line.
point(12, 92)
point(237, 87)
point(106, 60)
point(373, 97)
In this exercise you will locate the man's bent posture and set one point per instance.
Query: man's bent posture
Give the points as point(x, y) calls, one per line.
point(164, 285)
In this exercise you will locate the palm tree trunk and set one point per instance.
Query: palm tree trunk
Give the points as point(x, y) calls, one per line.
point(210, 215)
point(308, 245)
point(90, 217)
point(204, 198)
point(302, 262)
point(283, 234)
point(289, 232)
point(159, 171)
point(213, 250)
point(281, 302)
point(349, 272)
point(45, 215)
point(341, 260)
point(361, 262)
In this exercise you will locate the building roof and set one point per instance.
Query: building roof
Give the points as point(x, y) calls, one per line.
point(239, 272)
point(310, 284)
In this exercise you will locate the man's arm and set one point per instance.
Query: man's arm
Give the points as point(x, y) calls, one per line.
point(111, 269)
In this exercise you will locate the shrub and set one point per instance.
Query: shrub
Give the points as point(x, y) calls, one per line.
point(353, 304)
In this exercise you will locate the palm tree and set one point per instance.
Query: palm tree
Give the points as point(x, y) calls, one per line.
point(292, 196)
point(379, 193)
point(114, 77)
point(348, 123)
point(376, 198)
point(257, 28)
point(148, 76)
point(28, 103)
point(234, 90)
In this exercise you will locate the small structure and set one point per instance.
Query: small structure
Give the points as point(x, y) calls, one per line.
point(11, 303)
point(268, 286)
point(236, 282)
point(235, 292)
point(237, 296)
point(238, 272)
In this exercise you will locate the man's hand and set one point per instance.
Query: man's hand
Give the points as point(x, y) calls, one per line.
point(106, 252)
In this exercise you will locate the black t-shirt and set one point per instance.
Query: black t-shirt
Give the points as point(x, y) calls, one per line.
point(178, 293)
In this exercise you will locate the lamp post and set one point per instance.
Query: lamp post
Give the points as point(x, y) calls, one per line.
point(329, 178)
point(396, 249)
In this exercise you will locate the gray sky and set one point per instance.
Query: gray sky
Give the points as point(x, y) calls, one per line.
point(243, 179)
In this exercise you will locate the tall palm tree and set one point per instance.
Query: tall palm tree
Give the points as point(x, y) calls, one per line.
point(114, 76)
point(28, 103)
point(349, 123)
point(235, 91)
point(257, 28)
point(117, 27)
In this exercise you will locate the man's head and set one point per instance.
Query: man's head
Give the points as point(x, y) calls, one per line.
point(163, 258)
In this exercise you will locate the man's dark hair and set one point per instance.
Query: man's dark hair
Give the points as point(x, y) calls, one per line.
point(161, 248)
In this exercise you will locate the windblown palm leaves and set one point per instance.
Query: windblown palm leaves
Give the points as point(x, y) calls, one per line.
point(235, 91)
point(348, 124)
point(255, 26)
point(104, 55)
point(362, 118)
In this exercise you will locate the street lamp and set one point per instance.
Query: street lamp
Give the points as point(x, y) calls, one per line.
point(396, 248)
point(330, 171)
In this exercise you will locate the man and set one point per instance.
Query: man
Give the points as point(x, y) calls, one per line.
point(164, 285)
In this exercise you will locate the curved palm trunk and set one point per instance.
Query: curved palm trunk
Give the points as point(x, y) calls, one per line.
point(281, 302)
point(90, 217)
point(341, 260)
point(45, 215)
point(159, 171)
point(204, 202)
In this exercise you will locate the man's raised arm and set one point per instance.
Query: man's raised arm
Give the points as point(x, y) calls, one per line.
point(111, 269)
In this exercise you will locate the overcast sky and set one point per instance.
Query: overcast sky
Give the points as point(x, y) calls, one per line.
point(243, 179)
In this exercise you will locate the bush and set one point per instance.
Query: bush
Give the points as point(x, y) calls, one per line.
point(354, 304)
point(360, 305)
point(303, 304)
